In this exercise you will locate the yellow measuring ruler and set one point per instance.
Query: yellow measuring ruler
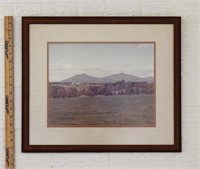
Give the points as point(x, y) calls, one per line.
point(9, 93)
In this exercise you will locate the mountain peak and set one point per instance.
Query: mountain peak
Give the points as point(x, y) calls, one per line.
point(82, 74)
point(84, 78)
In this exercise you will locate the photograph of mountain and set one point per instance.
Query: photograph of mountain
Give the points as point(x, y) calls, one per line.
point(101, 85)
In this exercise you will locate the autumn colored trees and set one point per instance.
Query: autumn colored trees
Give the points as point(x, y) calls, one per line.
point(62, 90)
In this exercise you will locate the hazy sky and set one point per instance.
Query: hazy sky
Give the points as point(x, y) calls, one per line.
point(100, 60)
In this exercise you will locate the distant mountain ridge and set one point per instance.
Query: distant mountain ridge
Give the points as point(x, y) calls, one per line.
point(84, 78)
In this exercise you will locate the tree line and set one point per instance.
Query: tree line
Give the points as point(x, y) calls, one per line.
point(61, 90)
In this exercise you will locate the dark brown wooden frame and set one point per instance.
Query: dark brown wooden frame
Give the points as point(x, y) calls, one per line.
point(26, 147)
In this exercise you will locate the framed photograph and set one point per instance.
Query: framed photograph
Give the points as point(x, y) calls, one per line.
point(101, 84)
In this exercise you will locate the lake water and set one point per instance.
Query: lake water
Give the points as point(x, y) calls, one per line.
point(102, 111)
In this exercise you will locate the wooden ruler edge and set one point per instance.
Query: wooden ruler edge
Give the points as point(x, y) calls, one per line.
point(9, 92)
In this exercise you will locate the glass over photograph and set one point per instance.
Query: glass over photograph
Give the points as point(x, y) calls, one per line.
point(101, 84)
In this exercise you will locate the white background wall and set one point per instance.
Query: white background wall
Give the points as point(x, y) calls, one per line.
point(187, 9)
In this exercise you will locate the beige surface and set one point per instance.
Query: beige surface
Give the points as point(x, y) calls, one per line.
point(41, 34)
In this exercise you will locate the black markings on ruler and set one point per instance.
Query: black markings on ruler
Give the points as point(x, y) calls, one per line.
point(7, 104)
point(7, 156)
point(6, 49)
